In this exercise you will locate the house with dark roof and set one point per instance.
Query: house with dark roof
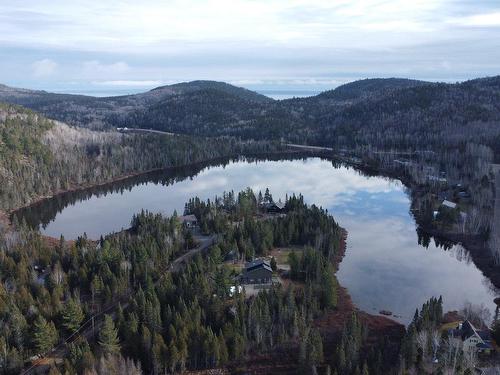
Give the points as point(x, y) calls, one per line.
point(472, 338)
point(258, 271)
point(274, 207)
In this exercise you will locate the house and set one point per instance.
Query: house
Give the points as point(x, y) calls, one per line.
point(275, 207)
point(449, 204)
point(258, 271)
point(189, 221)
point(472, 338)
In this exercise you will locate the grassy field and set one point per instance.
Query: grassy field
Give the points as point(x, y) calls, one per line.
point(281, 253)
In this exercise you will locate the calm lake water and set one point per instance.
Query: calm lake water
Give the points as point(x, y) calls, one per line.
point(384, 268)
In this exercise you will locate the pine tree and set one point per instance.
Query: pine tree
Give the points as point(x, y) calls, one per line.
point(223, 353)
point(44, 335)
point(108, 338)
point(72, 315)
point(314, 348)
point(328, 287)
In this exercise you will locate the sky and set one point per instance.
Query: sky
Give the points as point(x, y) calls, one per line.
point(119, 46)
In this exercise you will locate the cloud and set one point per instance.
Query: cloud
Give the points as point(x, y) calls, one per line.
point(479, 20)
point(129, 83)
point(44, 68)
point(319, 43)
point(94, 68)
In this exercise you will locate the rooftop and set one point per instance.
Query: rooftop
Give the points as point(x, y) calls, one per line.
point(257, 263)
point(449, 204)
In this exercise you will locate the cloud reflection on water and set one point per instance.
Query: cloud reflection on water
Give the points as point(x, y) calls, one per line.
point(385, 267)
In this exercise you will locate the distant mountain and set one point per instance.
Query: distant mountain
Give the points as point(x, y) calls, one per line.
point(368, 87)
point(194, 86)
point(103, 112)
point(383, 113)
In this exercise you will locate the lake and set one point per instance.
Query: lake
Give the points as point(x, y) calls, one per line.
point(385, 268)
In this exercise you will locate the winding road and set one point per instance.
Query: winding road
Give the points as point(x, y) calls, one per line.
point(140, 130)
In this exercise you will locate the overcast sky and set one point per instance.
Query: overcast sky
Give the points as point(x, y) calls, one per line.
point(97, 45)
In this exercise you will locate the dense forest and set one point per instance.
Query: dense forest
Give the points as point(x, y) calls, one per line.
point(40, 157)
point(119, 306)
point(380, 113)
point(159, 321)
point(116, 306)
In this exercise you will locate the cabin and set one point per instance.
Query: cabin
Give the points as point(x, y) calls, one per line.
point(258, 271)
point(189, 221)
point(472, 338)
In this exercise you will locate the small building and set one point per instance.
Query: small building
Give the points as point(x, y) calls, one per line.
point(258, 271)
point(189, 221)
point(449, 204)
point(472, 338)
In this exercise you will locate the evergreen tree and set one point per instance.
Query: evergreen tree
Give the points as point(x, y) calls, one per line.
point(72, 315)
point(44, 335)
point(108, 337)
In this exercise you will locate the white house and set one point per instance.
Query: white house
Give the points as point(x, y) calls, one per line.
point(472, 338)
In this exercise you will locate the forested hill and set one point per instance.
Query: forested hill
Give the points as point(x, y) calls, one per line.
point(104, 112)
point(421, 116)
point(379, 113)
point(41, 157)
point(368, 87)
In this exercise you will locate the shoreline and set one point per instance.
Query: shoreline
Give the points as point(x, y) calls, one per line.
point(86, 186)
point(475, 246)
point(481, 258)
point(478, 251)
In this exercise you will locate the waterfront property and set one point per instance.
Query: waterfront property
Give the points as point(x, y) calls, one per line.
point(358, 202)
point(258, 271)
point(472, 338)
point(274, 207)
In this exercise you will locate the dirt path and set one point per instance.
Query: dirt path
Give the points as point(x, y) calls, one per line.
point(308, 148)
